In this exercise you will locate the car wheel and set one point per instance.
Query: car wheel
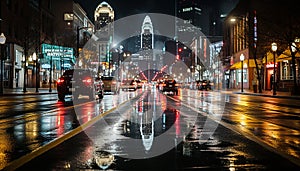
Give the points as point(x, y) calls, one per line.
point(91, 96)
point(61, 97)
point(100, 96)
point(75, 96)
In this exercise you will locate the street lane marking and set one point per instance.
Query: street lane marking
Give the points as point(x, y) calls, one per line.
point(245, 132)
point(39, 151)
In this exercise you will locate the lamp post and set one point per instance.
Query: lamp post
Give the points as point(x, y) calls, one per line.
point(242, 57)
point(25, 69)
point(294, 49)
point(274, 49)
point(50, 77)
point(2, 41)
point(34, 58)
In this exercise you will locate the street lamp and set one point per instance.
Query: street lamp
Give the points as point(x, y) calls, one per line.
point(25, 69)
point(294, 49)
point(50, 77)
point(242, 57)
point(34, 58)
point(2, 41)
point(274, 49)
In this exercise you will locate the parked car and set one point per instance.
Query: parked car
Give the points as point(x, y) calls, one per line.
point(78, 82)
point(129, 84)
point(205, 85)
point(169, 85)
point(110, 84)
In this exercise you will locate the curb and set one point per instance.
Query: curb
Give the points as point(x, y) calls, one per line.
point(26, 94)
point(267, 95)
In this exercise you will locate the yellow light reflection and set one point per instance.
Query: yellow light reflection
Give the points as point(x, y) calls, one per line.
point(31, 131)
point(5, 146)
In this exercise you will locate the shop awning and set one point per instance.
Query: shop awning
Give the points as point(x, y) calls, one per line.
point(270, 58)
point(247, 63)
point(286, 55)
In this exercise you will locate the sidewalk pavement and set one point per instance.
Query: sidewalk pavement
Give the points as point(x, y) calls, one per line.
point(266, 93)
point(43, 91)
point(29, 91)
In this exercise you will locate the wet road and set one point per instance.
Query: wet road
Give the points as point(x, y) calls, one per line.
point(197, 129)
point(29, 122)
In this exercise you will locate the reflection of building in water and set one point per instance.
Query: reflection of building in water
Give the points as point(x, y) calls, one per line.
point(147, 133)
point(146, 122)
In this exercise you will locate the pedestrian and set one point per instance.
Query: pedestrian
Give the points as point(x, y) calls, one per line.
point(271, 81)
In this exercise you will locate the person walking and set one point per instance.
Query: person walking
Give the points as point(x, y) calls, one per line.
point(271, 81)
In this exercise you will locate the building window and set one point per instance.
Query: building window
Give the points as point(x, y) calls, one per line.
point(286, 70)
point(239, 76)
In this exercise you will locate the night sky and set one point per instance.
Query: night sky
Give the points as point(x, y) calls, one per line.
point(125, 8)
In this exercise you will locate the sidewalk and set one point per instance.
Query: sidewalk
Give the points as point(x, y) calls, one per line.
point(266, 93)
point(29, 91)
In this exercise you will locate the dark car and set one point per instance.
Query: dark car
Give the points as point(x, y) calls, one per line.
point(205, 85)
point(110, 84)
point(169, 86)
point(129, 85)
point(78, 82)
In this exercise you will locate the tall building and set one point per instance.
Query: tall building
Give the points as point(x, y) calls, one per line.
point(104, 17)
point(206, 15)
point(147, 36)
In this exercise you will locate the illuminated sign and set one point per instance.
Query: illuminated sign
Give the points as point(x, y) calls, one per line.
point(57, 52)
point(271, 65)
point(68, 17)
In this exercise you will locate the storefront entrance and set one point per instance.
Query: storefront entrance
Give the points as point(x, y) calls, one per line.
point(268, 79)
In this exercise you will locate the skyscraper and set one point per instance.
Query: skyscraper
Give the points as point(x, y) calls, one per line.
point(104, 17)
point(147, 38)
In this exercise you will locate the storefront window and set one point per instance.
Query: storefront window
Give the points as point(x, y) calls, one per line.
point(286, 70)
point(245, 75)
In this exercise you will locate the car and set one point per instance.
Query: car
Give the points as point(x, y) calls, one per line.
point(129, 84)
point(205, 85)
point(110, 84)
point(169, 85)
point(78, 82)
point(139, 83)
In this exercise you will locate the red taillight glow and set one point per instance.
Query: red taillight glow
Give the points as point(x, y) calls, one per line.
point(59, 81)
point(87, 81)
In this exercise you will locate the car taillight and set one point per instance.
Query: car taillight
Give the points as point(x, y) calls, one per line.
point(87, 81)
point(60, 80)
point(177, 85)
point(114, 82)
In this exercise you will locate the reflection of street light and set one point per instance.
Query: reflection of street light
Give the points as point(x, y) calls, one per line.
point(274, 49)
point(34, 58)
point(242, 57)
point(2, 41)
